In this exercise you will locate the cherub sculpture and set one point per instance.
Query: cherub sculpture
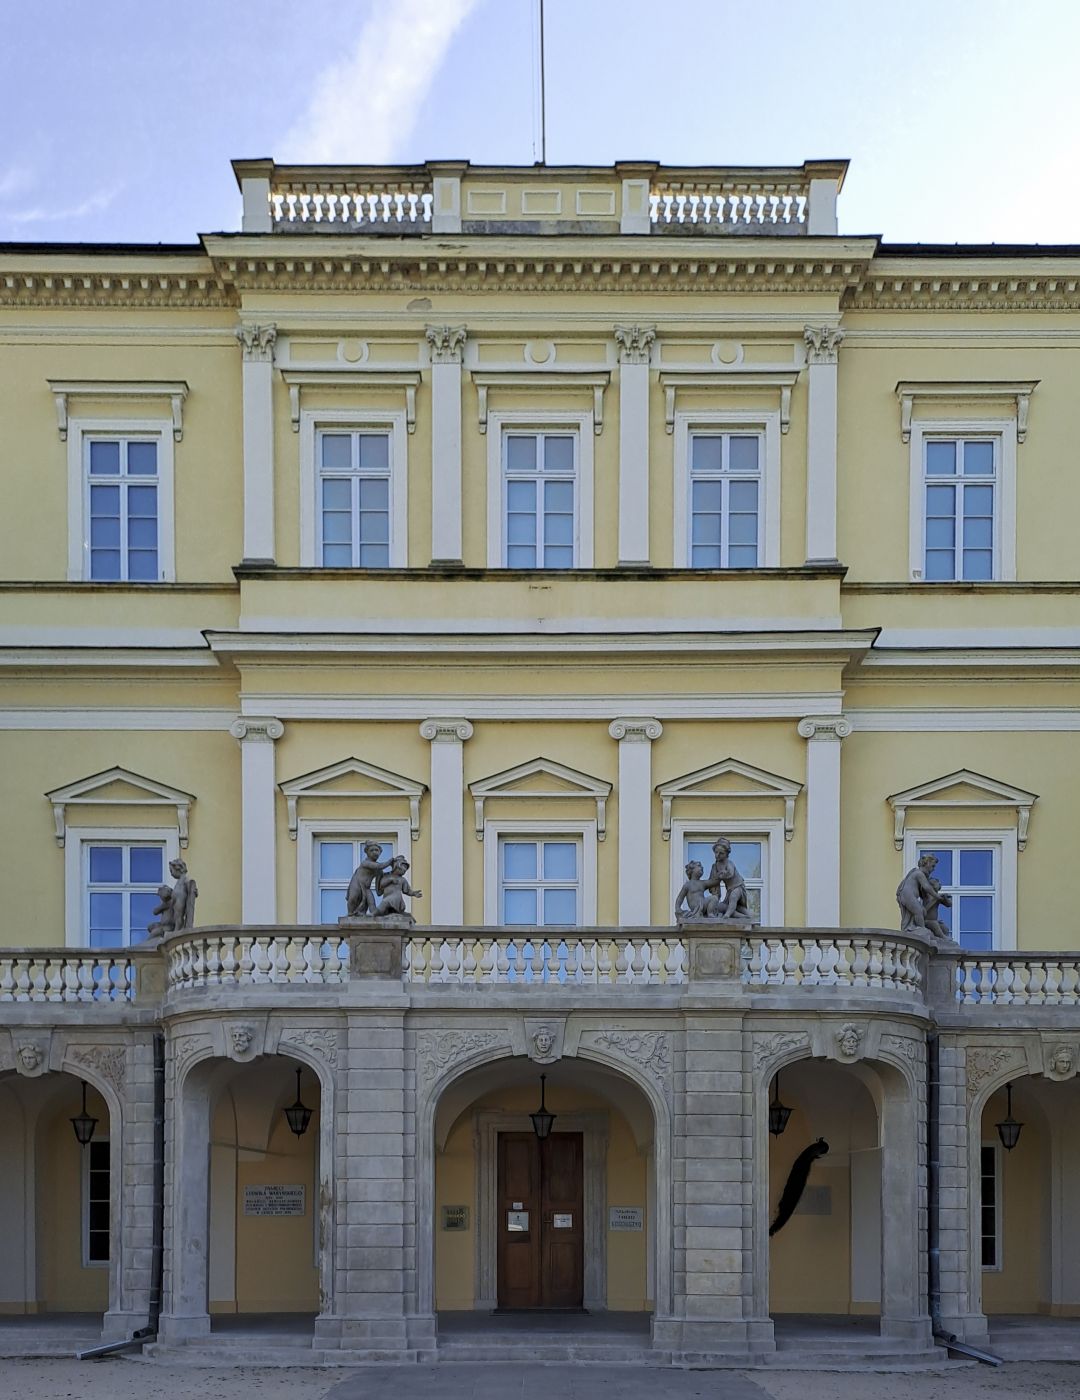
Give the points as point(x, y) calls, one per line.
point(694, 895)
point(162, 927)
point(393, 887)
point(919, 896)
point(734, 904)
point(360, 898)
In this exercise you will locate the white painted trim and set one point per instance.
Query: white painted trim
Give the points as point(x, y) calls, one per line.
point(309, 828)
point(74, 866)
point(1004, 431)
point(958, 638)
point(167, 721)
point(770, 786)
point(771, 831)
point(968, 721)
point(584, 830)
point(996, 795)
point(283, 636)
point(86, 792)
point(502, 785)
point(176, 391)
point(543, 419)
point(393, 421)
point(1004, 838)
point(564, 707)
point(79, 429)
point(312, 784)
point(766, 422)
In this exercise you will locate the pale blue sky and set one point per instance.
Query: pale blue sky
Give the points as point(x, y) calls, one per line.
point(118, 117)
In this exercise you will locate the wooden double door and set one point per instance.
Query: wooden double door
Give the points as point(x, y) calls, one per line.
point(541, 1260)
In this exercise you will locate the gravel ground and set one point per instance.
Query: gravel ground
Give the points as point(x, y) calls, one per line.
point(127, 1379)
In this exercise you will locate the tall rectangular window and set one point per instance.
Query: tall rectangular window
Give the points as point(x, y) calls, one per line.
point(540, 494)
point(960, 493)
point(122, 880)
point(353, 484)
point(336, 857)
point(725, 500)
point(539, 882)
point(990, 1208)
point(97, 1206)
point(748, 856)
point(123, 504)
point(970, 876)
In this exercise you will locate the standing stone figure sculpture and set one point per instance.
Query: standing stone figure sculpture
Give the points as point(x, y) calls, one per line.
point(176, 904)
point(919, 897)
point(360, 898)
point(696, 899)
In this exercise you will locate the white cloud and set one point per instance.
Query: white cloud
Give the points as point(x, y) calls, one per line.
point(39, 214)
point(365, 105)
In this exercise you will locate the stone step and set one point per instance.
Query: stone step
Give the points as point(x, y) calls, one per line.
point(555, 1348)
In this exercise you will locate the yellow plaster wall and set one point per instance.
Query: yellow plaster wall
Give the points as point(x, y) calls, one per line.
point(455, 1184)
point(1021, 1285)
point(65, 1284)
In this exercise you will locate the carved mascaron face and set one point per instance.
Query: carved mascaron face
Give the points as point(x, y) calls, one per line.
point(543, 1041)
point(1062, 1062)
point(30, 1057)
point(241, 1039)
point(848, 1038)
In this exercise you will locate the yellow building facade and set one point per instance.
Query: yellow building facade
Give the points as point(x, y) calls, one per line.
point(542, 526)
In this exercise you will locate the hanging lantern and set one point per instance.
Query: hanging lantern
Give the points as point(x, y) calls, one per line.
point(1009, 1129)
point(298, 1115)
point(83, 1123)
point(542, 1119)
point(778, 1113)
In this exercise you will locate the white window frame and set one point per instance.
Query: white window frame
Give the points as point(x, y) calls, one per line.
point(583, 831)
point(84, 1231)
point(76, 907)
point(1003, 431)
point(308, 831)
point(999, 1208)
point(769, 831)
point(733, 420)
point(392, 421)
point(80, 430)
point(1006, 856)
point(544, 420)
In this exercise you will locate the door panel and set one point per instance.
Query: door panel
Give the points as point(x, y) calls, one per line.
point(540, 1224)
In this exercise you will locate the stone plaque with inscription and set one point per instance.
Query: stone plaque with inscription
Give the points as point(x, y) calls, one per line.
point(626, 1218)
point(274, 1200)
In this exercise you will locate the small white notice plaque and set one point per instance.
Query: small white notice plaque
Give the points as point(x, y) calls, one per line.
point(563, 1222)
point(626, 1218)
point(274, 1200)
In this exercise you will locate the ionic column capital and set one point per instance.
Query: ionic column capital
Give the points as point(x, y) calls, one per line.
point(264, 730)
point(257, 342)
point(446, 731)
point(635, 731)
point(833, 727)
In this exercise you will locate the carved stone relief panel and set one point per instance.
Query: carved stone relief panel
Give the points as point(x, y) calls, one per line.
point(650, 1051)
point(438, 1051)
point(986, 1062)
point(320, 1041)
point(109, 1061)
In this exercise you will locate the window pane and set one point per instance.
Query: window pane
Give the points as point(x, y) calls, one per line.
point(374, 452)
point(520, 453)
point(706, 453)
point(337, 493)
point(337, 451)
point(742, 529)
point(142, 533)
point(976, 913)
point(940, 458)
point(337, 527)
point(519, 860)
point(142, 500)
point(941, 500)
point(708, 495)
point(979, 500)
point(976, 868)
point(146, 865)
point(743, 556)
point(332, 906)
point(978, 459)
point(519, 906)
point(106, 865)
point(559, 495)
point(560, 860)
point(374, 527)
point(520, 556)
point(105, 532)
point(559, 453)
point(105, 459)
point(742, 496)
point(336, 860)
point(940, 564)
point(521, 495)
point(705, 557)
point(142, 458)
point(978, 533)
point(375, 494)
point(337, 556)
point(520, 528)
point(104, 500)
point(944, 869)
point(747, 858)
point(141, 915)
point(106, 910)
point(560, 906)
point(700, 851)
point(142, 565)
point(559, 529)
point(978, 565)
point(940, 532)
point(743, 454)
point(705, 529)
point(105, 565)
point(374, 556)
point(558, 557)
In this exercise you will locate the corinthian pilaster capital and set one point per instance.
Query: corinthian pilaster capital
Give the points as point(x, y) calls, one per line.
point(447, 343)
point(263, 730)
point(822, 344)
point(446, 731)
point(257, 342)
point(834, 727)
point(635, 731)
point(634, 343)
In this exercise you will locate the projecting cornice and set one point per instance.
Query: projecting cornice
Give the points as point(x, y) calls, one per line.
point(1027, 283)
point(483, 264)
point(109, 279)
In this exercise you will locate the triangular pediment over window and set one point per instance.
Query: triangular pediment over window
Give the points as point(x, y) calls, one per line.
point(730, 778)
point(119, 787)
point(352, 777)
point(963, 789)
point(540, 778)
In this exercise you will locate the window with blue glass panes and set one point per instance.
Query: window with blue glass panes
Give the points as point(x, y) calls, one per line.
point(969, 875)
point(122, 883)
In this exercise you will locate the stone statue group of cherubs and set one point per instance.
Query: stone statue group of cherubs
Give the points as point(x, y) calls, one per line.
point(919, 897)
point(700, 898)
point(378, 887)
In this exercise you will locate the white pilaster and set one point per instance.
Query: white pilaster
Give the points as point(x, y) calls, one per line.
point(634, 344)
point(257, 343)
point(446, 344)
point(447, 738)
point(822, 347)
point(258, 811)
point(635, 738)
point(823, 734)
